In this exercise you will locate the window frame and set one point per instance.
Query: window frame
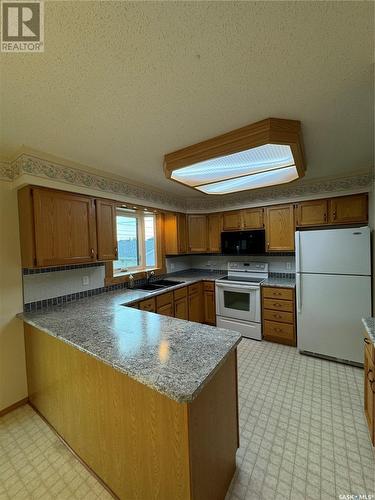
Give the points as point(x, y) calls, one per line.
point(141, 241)
point(114, 276)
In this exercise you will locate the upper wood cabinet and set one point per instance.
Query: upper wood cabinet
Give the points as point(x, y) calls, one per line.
point(280, 228)
point(214, 222)
point(348, 209)
point(312, 213)
point(106, 229)
point(232, 221)
point(175, 234)
point(252, 218)
point(56, 227)
point(197, 233)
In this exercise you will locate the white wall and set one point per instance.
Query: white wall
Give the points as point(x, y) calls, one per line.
point(13, 385)
point(49, 285)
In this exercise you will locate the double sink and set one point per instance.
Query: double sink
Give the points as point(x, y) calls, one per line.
point(158, 285)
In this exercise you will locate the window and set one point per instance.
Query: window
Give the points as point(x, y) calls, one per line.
point(136, 241)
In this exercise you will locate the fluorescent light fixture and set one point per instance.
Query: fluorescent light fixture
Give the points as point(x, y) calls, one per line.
point(261, 179)
point(251, 161)
point(262, 154)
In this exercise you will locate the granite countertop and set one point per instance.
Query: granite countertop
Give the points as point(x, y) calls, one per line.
point(370, 327)
point(280, 282)
point(172, 356)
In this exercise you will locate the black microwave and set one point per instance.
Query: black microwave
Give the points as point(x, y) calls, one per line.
point(243, 242)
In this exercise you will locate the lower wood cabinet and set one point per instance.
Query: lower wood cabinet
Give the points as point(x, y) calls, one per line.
point(195, 302)
point(278, 315)
point(369, 387)
point(181, 307)
point(148, 305)
point(209, 303)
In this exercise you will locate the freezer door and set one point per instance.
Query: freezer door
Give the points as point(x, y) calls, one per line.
point(329, 313)
point(334, 251)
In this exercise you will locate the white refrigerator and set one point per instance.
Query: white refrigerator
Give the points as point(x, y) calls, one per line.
point(333, 279)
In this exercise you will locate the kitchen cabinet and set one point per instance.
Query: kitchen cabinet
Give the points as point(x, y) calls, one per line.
point(195, 302)
point(181, 303)
point(280, 228)
point(348, 209)
point(209, 303)
point(369, 387)
point(214, 232)
point(278, 315)
point(312, 213)
point(148, 305)
point(56, 227)
point(164, 304)
point(232, 221)
point(252, 218)
point(106, 229)
point(197, 233)
point(175, 234)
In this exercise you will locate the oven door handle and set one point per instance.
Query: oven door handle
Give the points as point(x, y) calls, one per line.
point(237, 287)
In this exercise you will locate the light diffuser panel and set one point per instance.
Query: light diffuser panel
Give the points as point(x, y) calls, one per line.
point(261, 179)
point(259, 159)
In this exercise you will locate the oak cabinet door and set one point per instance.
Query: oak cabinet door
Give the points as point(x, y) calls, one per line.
point(369, 401)
point(197, 233)
point(253, 218)
point(232, 221)
point(312, 213)
point(195, 303)
point(166, 310)
point(209, 307)
point(65, 230)
point(175, 234)
point(181, 308)
point(348, 209)
point(106, 229)
point(214, 232)
point(280, 228)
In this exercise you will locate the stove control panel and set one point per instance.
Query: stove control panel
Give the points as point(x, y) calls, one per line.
point(260, 267)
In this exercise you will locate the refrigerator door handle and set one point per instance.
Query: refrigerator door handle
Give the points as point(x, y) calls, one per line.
point(298, 250)
point(299, 292)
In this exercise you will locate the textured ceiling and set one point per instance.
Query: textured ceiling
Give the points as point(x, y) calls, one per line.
point(122, 83)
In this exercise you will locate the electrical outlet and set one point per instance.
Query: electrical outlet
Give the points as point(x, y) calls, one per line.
point(288, 266)
point(85, 280)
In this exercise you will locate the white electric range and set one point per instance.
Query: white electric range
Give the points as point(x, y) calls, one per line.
point(238, 298)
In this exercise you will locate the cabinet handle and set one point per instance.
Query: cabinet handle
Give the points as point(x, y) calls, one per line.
point(277, 304)
point(366, 341)
point(92, 253)
point(277, 293)
point(116, 250)
point(277, 316)
point(325, 217)
point(278, 330)
point(268, 245)
point(334, 214)
point(371, 380)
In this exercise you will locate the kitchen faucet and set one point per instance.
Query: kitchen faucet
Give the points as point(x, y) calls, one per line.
point(149, 275)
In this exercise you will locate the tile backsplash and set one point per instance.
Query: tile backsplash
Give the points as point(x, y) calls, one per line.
point(277, 263)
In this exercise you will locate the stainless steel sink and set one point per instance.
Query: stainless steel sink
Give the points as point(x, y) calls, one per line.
point(158, 285)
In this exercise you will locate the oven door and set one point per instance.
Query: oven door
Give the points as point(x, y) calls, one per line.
point(238, 301)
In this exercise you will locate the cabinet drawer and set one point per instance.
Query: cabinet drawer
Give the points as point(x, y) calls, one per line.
point(278, 293)
point(162, 300)
point(196, 288)
point(135, 305)
point(279, 332)
point(208, 286)
point(278, 305)
point(282, 316)
point(148, 305)
point(180, 293)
